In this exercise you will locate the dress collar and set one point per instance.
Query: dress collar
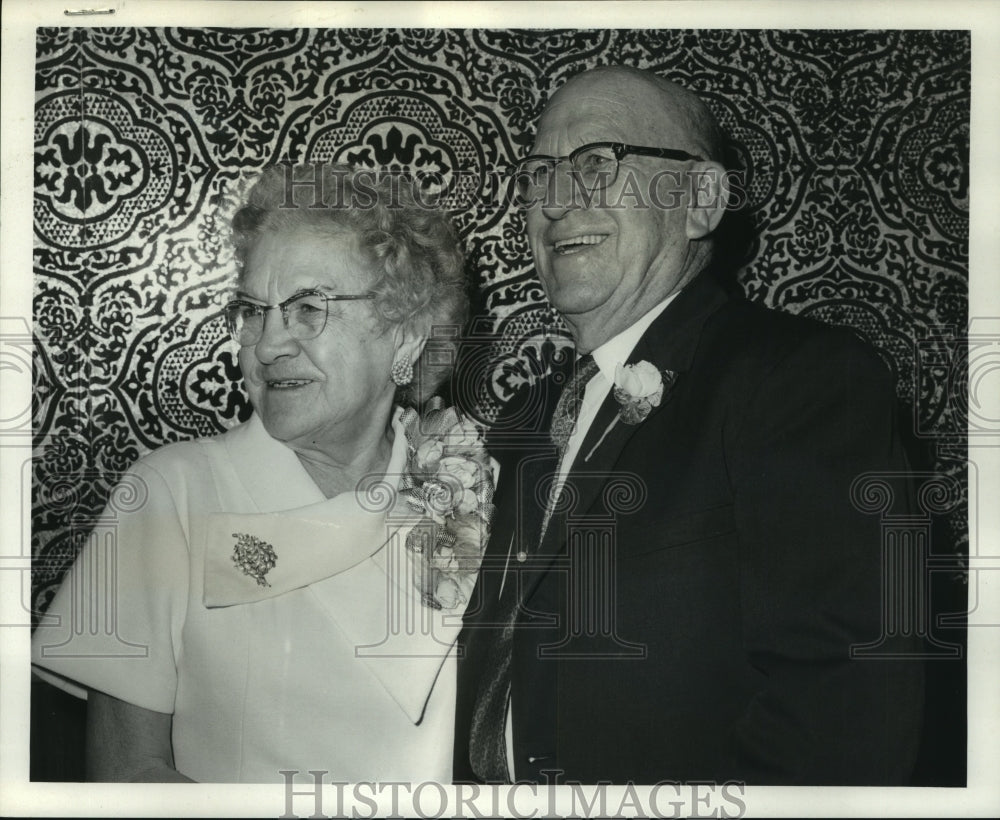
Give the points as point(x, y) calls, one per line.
point(271, 472)
point(303, 535)
point(316, 540)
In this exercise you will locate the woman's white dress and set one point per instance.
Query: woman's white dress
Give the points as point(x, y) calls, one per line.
point(334, 667)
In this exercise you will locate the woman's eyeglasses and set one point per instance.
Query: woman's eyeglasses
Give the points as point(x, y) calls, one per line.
point(594, 166)
point(304, 314)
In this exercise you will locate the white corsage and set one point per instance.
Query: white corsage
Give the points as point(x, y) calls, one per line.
point(638, 388)
point(449, 480)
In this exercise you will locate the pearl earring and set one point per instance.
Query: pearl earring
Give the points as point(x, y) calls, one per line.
point(402, 371)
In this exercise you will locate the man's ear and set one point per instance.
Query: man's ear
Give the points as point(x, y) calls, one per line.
point(709, 197)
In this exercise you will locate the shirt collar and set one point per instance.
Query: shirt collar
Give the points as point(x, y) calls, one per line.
point(617, 349)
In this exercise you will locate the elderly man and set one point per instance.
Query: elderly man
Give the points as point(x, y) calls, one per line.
point(684, 603)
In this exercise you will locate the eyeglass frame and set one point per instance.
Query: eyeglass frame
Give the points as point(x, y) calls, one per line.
point(283, 306)
point(619, 149)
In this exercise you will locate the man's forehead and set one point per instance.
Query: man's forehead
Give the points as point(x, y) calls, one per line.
point(582, 114)
point(573, 102)
point(585, 118)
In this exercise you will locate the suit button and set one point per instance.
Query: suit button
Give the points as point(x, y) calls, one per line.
point(522, 556)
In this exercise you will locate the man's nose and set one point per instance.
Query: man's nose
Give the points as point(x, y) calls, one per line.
point(562, 193)
point(275, 341)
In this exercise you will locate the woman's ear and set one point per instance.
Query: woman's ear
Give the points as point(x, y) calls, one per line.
point(409, 344)
point(709, 197)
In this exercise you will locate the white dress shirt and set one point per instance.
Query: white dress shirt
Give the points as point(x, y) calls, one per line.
point(608, 356)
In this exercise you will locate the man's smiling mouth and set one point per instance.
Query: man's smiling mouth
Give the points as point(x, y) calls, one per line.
point(576, 244)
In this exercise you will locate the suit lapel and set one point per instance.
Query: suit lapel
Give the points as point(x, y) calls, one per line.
point(670, 344)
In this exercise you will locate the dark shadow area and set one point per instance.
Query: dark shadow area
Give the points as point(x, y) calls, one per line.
point(57, 732)
point(942, 756)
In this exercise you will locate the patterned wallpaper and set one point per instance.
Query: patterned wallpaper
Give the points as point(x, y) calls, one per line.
point(854, 146)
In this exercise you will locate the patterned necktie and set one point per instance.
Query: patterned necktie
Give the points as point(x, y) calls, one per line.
point(568, 409)
point(487, 739)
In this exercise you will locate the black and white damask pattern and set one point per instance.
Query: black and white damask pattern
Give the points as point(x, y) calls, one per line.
point(854, 147)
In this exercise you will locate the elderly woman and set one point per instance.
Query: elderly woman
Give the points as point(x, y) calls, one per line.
point(277, 605)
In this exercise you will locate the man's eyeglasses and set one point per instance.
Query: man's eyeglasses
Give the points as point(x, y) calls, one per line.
point(594, 166)
point(304, 314)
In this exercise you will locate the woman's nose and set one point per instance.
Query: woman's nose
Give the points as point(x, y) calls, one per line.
point(275, 341)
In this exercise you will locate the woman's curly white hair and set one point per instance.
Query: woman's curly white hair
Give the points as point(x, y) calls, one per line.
point(411, 245)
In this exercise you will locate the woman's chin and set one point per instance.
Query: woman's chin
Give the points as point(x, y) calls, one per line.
point(282, 427)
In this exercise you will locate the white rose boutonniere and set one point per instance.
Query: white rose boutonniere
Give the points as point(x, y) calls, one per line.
point(638, 388)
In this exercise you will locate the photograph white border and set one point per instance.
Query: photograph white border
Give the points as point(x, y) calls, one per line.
point(19, 797)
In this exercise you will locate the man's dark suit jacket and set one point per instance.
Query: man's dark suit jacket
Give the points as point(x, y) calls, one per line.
point(718, 572)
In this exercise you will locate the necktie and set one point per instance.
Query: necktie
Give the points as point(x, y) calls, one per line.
point(568, 409)
point(487, 741)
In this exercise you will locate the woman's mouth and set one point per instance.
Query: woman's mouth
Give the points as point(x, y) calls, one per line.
point(287, 384)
